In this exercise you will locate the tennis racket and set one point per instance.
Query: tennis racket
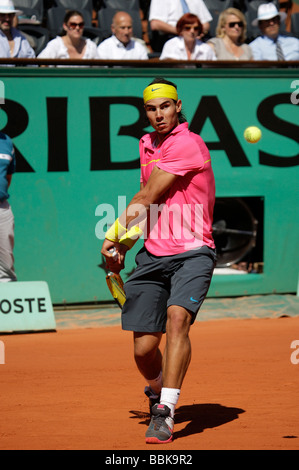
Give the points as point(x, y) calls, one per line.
point(116, 286)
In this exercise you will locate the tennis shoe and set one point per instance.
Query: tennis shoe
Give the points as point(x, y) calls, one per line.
point(153, 397)
point(160, 430)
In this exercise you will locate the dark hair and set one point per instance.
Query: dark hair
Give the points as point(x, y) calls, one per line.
point(188, 18)
point(71, 13)
point(181, 115)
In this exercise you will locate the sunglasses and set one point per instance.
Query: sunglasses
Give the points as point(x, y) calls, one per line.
point(232, 24)
point(188, 28)
point(74, 25)
point(276, 19)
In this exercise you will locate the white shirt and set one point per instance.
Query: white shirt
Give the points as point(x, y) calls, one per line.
point(170, 11)
point(113, 49)
point(22, 47)
point(56, 49)
point(264, 48)
point(175, 49)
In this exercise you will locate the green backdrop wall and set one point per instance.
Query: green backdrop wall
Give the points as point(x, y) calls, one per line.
point(76, 135)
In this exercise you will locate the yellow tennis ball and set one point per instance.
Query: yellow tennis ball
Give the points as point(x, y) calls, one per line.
point(252, 134)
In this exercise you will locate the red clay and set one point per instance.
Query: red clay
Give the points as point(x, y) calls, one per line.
point(80, 389)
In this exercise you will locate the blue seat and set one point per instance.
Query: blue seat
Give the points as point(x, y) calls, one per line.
point(215, 7)
point(31, 8)
point(75, 5)
point(121, 4)
point(39, 34)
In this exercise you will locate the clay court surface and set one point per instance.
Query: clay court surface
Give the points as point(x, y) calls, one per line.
point(78, 388)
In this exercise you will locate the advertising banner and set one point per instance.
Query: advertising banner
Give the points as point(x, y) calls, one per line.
point(26, 307)
point(76, 135)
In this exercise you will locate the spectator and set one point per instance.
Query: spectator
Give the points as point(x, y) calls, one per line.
point(229, 43)
point(72, 45)
point(164, 15)
point(271, 45)
point(121, 45)
point(187, 46)
point(12, 42)
point(7, 168)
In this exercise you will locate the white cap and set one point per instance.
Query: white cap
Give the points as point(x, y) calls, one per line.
point(7, 6)
point(266, 11)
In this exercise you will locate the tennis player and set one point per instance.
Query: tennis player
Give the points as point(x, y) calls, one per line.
point(175, 266)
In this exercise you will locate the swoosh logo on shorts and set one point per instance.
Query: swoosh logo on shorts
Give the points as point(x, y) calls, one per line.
point(194, 300)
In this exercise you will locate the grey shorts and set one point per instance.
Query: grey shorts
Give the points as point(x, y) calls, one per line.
point(7, 272)
point(159, 282)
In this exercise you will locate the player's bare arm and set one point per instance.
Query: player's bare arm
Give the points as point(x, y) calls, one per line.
point(159, 182)
point(158, 25)
point(163, 114)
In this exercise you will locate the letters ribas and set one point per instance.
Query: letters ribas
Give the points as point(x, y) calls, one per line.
point(209, 107)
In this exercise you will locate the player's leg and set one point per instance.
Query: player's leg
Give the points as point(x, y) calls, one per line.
point(144, 313)
point(147, 354)
point(176, 360)
point(189, 285)
point(177, 354)
point(148, 359)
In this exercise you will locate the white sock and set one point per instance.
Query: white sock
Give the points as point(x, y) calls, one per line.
point(170, 397)
point(156, 384)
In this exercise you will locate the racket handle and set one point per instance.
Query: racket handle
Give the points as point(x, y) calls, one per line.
point(114, 252)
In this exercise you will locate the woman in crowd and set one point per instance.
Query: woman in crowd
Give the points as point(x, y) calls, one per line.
point(187, 45)
point(71, 45)
point(229, 43)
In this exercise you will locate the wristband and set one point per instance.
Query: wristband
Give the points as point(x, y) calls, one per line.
point(115, 232)
point(130, 238)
